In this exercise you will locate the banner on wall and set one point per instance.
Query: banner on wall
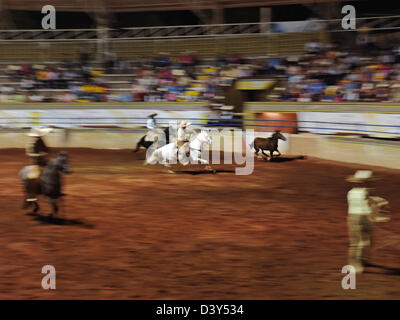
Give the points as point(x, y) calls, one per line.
point(125, 118)
point(372, 124)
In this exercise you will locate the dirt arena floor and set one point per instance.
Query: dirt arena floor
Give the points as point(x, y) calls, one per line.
point(133, 232)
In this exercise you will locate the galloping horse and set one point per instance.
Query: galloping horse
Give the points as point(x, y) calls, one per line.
point(169, 153)
point(48, 184)
point(146, 144)
point(270, 144)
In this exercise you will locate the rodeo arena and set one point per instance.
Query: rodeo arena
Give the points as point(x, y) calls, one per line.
point(197, 149)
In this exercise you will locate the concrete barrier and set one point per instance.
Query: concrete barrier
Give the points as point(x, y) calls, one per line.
point(346, 149)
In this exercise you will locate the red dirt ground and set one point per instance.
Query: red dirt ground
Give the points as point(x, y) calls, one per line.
point(135, 232)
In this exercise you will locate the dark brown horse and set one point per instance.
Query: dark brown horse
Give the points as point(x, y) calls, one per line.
point(49, 183)
point(270, 144)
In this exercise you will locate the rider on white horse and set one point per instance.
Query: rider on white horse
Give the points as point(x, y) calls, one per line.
point(168, 154)
point(183, 137)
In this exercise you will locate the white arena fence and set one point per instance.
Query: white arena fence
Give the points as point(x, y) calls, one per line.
point(374, 125)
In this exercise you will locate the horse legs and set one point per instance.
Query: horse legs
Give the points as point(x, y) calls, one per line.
point(36, 209)
point(264, 153)
point(278, 152)
point(257, 151)
point(31, 190)
point(53, 203)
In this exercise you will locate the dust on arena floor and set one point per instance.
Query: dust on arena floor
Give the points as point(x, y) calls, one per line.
point(134, 232)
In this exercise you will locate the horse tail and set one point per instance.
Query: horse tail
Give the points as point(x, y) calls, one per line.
point(140, 143)
point(251, 144)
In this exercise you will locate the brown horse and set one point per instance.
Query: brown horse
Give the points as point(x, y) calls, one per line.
point(49, 183)
point(270, 144)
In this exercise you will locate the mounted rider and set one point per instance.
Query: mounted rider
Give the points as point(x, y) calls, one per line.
point(152, 126)
point(37, 150)
point(183, 137)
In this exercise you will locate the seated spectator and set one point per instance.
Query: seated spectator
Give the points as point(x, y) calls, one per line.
point(27, 83)
point(7, 90)
point(19, 96)
point(35, 97)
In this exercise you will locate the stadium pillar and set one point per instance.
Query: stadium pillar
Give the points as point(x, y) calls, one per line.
point(218, 16)
point(6, 21)
point(98, 10)
point(102, 36)
point(212, 16)
point(265, 19)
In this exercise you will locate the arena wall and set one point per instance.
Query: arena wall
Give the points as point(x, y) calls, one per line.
point(354, 149)
point(345, 149)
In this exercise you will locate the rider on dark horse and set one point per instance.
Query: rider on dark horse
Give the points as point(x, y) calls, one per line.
point(152, 126)
point(36, 150)
point(42, 176)
point(153, 134)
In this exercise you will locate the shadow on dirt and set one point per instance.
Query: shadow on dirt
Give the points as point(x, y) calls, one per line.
point(285, 159)
point(196, 172)
point(389, 270)
point(59, 221)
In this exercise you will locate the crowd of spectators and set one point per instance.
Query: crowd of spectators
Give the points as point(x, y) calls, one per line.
point(323, 73)
point(365, 74)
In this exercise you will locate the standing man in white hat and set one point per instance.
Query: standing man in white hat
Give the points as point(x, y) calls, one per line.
point(361, 214)
point(183, 136)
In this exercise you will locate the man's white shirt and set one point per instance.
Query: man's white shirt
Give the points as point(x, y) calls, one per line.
point(151, 124)
point(357, 199)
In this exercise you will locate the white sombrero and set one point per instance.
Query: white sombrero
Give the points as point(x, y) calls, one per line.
point(361, 176)
point(39, 132)
point(185, 124)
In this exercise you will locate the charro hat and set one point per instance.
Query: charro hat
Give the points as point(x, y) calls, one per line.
point(185, 124)
point(361, 176)
point(39, 132)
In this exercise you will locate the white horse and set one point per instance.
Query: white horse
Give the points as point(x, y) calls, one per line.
point(169, 153)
